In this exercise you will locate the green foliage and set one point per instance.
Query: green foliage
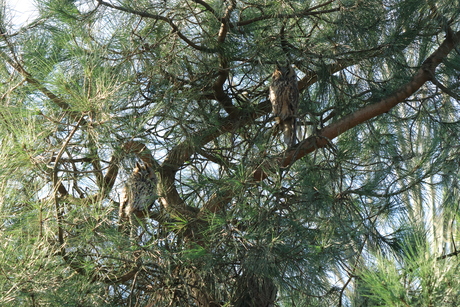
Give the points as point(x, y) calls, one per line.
point(90, 88)
point(417, 279)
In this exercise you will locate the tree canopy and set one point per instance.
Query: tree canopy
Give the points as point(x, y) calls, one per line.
point(362, 211)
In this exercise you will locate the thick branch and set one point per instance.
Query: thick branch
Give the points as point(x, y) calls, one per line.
point(225, 22)
point(110, 176)
point(182, 153)
point(218, 86)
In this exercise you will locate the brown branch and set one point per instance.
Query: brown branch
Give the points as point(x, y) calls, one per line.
point(57, 186)
point(208, 7)
point(218, 87)
point(169, 197)
point(225, 22)
point(110, 176)
point(308, 12)
point(28, 77)
point(183, 151)
point(444, 89)
point(448, 255)
point(174, 27)
point(423, 74)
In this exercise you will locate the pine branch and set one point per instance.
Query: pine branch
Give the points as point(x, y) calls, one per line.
point(308, 12)
point(174, 27)
point(325, 135)
point(448, 255)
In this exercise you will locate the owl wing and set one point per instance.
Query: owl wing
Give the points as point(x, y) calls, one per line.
point(126, 195)
point(294, 98)
point(290, 123)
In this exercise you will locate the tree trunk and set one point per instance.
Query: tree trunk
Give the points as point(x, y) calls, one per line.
point(255, 291)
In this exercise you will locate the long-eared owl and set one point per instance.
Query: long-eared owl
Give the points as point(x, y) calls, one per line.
point(284, 96)
point(139, 193)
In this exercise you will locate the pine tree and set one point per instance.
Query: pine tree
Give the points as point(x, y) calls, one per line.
point(362, 211)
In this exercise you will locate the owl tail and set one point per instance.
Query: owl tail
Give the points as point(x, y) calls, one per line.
point(289, 131)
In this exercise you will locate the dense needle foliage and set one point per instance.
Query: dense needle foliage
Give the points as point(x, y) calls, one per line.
point(361, 212)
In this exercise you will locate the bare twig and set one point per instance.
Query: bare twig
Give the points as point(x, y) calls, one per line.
point(174, 27)
point(57, 184)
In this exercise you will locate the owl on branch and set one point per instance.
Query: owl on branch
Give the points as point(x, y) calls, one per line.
point(138, 194)
point(284, 97)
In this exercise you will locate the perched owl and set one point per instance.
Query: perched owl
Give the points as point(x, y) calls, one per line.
point(138, 194)
point(284, 96)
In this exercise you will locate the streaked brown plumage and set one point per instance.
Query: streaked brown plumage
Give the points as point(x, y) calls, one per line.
point(139, 193)
point(284, 96)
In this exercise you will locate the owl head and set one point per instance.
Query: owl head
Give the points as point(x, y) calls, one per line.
point(143, 171)
point(283, 72)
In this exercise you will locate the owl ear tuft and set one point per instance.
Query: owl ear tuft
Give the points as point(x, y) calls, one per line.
point(139, 167)
point(278, 65)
